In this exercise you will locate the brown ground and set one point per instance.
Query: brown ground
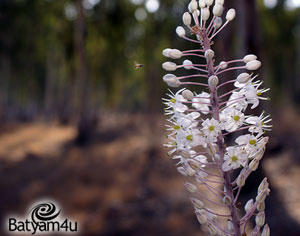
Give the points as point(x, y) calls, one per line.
point(123, 183)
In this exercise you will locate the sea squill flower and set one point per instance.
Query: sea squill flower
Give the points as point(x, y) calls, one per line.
point(202, 119)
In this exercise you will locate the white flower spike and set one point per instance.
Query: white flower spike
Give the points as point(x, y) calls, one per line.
point(200, 122)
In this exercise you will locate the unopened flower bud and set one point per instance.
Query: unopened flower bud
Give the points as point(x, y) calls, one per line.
point(218, 22)
point(212, 229)
point(171, 80)
point(218, 9)
point(264, 185)
point(182, 171)
point(223, 65)
point(249, 205)
point(230, 226)
point(209, 54)
point(213, 81)
point(180, 31)
point(201, 216)
point(266, 231)
point(241, 180)
point(209, 2)
point(193, 6)
point(253, 65)
point(191, 187)
point(189, 170)
point(226, 200)
point(243, 78)
point(220, 2)
point(187, 94)
point(183, 153)
point(175, 54)
point(230, 14)
point(254, 164)
point(261, 206)
point(187, 19)
point(249, 58)
point(169, 66)
point(202, 3)
point(260, 219)
point(187, 64)
point(166, 52)
point(262, 196)
point(205, 14)
point(197, 203)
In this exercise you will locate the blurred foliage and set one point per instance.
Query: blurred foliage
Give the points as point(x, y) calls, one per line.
point(37, 65)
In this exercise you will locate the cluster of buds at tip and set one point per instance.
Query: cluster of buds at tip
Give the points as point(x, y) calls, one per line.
point(200, 120)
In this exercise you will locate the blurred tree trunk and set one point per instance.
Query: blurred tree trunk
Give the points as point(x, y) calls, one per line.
point(85, 124)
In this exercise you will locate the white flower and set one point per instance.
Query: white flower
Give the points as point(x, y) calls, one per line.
point(238, 101)
point(201, 101)
point(234, 158)
point(253, 93)
point(259, 123)
point(175, 102)
point(211, 129)
point(232, 119)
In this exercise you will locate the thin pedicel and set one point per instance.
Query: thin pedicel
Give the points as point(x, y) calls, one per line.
point(203, 119)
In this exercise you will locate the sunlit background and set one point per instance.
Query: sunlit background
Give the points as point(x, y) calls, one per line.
point(81, 125)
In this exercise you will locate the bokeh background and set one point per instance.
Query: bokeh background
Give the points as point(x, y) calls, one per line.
point(80, 125)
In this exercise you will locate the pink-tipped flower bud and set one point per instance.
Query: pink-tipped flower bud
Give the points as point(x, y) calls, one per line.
point(260, 219)
point(187, 94)
point(230, 14)
point(175, 54)
point(253, 65)
point(205, 14)
point(249, 205)
point(171, 80)
point(218, 9)
point(243, 78)
point(166, 52)
point(209, 54)
point(190, 187)
point(187, 19)
point(169, 66)
point(193, 6)
point(188, 64)
point(202, 3)
point(197, 203)
point(180, 31)
point(213, 81)
point(249, 57)
point(266, 231)
point(183, 153)
point(218, 22)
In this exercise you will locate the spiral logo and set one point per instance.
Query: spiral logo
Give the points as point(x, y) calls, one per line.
point(44, 212)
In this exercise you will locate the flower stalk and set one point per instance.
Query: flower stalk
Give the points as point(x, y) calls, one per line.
point(204, 119)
